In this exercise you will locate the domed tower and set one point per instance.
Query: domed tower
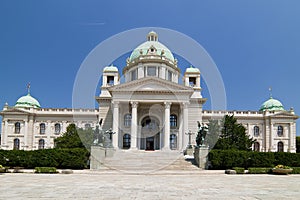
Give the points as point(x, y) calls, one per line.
point(271, 105)
point(110, 78)
point(27, 101)
point(192, 79)
point(151, 58)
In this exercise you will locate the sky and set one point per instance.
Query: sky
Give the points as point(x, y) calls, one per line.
point(255, 44)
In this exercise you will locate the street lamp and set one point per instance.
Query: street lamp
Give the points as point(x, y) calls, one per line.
point(190, 133)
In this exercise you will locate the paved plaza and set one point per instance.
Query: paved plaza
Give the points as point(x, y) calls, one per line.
point(159, 185)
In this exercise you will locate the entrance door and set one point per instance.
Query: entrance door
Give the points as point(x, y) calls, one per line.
point(150, 144)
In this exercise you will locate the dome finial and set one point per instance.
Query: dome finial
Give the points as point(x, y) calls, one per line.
point(270, 91)
point(152, 36)
point(28, 88)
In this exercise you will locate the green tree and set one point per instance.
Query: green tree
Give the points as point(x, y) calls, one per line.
point(233, 136)
point(298, 144)
point(75, 138)
point(214, 132)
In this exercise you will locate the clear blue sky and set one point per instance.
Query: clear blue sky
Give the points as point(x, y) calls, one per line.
point(255, 44)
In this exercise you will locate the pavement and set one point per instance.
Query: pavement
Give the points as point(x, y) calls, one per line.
point(112, 184)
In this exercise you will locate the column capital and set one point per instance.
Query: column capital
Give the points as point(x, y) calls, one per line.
point(116, 104)
point(134, 104)
point(167, 104)
point(185, 104)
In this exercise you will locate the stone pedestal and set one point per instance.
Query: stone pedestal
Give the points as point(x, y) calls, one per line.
point(201, 156)
point(189, 151)
point(98, 154)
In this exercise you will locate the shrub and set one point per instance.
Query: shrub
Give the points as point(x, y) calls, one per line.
point(60, 158)
point(259, 170)
point(47, 170)
point(239, 170)
point(296, 170)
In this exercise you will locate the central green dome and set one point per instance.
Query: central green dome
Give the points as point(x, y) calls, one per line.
point(27, 102)
point(152, 43)
point(271, 105)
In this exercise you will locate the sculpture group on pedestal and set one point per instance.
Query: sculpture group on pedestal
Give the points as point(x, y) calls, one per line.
point(202, 131)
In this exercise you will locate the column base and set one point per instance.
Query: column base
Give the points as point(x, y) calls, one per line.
point(166, 149)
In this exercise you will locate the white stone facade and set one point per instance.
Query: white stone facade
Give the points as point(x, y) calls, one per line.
point(151, 110)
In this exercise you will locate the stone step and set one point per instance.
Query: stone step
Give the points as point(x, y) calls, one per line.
point(145, 161)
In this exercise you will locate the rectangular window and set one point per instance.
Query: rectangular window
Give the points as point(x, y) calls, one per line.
point(151, 71)
point(133, 75)
point(169, 76)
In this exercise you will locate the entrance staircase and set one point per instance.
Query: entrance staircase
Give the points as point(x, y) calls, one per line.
point(139, 161)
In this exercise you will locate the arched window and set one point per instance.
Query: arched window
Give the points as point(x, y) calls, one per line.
point(57, 128)
point(256, 146)
point(173, 141)
point(87, 126)
point(126, 141)
point(41, 144)
point(280, 131)
point(16, 144)
point(42, 128)
point(17, 127)
point(280, 147)
point(256, 131)
point(127, 120)
point(173, 120)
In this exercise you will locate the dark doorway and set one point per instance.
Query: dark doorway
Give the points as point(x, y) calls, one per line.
point(150, 144)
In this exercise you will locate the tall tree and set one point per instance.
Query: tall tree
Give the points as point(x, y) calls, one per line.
point(298, 144)
point(75, 138)
point(233, 136)
point(214, 132)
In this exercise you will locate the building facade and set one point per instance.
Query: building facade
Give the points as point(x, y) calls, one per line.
point(151, 110)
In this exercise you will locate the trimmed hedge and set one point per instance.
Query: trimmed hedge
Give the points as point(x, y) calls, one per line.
point(76, 158)
point(239, 170)
point(296, 170)
point(227, 159)
point(45, 170)
point(259, 170)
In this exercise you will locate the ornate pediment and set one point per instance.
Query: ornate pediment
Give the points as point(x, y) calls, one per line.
point(150, 84)
point(285, 114)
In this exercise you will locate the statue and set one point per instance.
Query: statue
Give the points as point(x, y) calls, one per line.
point(202, 131)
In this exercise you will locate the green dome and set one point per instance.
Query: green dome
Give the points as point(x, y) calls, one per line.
point(271, 105)
point(110, 69)
point(27, 102)
point(152, 42)
point(192, 69)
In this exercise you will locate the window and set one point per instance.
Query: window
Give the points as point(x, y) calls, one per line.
point(280, 131)
point(256, 146)
point(87, 126)
point(192, 81)
point(57, 128)
point(151, 71)
point(17, 127)
point(173, 121)
point(16, 144)
point(173, 141)
point(169, 78)
point(42, 128)
point(256, 131)
point(41, 144)
point(127, 120)
point(126, 141)
point(280, 147)
point(133, 75)
point(110, 80)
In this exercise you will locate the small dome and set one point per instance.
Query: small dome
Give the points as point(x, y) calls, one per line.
point(152, 43)
point(110, 69)
point(271, 105)
point(27, 102)
point(192, 69)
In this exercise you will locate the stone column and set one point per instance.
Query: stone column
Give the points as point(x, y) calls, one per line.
point(185, 124)
point(4, 133)
point(26, 140)
point(271, 138)
point(115, 124)
point(167, 126)
point(134, 126)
